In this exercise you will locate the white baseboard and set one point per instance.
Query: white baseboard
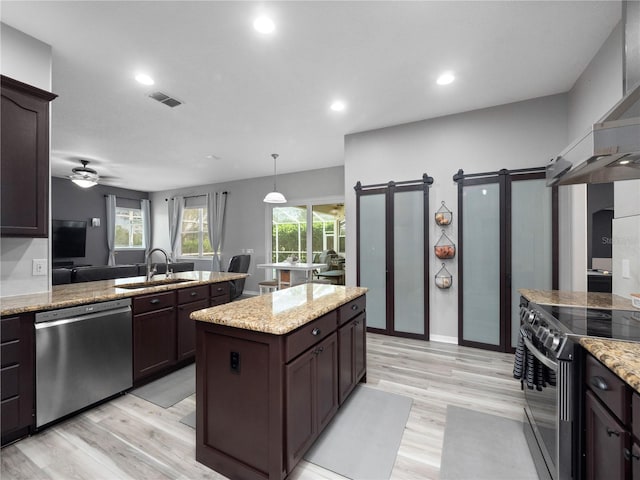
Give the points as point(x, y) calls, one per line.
point(443, 339)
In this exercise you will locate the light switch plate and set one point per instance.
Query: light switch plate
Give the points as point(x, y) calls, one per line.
point(626, 268)
point(39, 267)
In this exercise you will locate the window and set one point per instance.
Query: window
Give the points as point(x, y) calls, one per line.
point(129, 229)
point(290, 235)
point(195, 233)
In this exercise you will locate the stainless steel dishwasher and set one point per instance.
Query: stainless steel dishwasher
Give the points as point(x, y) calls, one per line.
point(83, 355)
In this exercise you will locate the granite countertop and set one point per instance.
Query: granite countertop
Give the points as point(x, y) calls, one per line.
point(72, 294)
point(622, 358)
point(606, 301)
point(282, 311)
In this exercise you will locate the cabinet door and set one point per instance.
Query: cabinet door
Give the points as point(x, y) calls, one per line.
point(312, 396)
point(24, 170)
point(187, 329)
point(154, 342)
point(635, 462)
point(351, 365)
point(346, 367)
point(604, 442)
point(326, 381)
point(300, 410)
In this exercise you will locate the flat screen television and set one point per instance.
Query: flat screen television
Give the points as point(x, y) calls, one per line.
point(68, 238)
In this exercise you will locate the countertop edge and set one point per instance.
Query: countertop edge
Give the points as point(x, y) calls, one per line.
point(622, 358)
point(253, 321)
point(102, 291)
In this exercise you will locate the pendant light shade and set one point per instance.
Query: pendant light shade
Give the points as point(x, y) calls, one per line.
point(84, 177)
point(275, 196)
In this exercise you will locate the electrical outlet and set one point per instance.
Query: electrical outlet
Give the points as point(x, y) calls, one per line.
point(39, 266)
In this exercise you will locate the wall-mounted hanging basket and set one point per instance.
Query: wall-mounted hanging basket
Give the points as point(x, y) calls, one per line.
point(444, 216)
point(444, 279)
point(445, 248)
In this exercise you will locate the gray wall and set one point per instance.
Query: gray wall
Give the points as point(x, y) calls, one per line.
point(519, 135)
point(248, 218)
point(23, 58)
point(70, 202)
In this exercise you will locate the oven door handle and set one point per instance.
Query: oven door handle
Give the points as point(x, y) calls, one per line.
point(536, 353)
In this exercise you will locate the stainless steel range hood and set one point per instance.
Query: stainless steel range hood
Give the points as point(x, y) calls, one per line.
point(610, 150)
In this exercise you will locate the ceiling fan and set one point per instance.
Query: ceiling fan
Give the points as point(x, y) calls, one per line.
point(83, 176)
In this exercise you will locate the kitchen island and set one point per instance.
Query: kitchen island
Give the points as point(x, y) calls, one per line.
point(271, 372)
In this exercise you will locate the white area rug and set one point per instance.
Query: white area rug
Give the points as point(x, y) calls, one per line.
point(479, 446)
point(170, 389)
point(362, 440)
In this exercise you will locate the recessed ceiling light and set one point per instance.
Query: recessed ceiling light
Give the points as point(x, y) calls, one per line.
point(338, 106)
point(144, 79)
point(446, 78)
point(624, 162)
point(264, 25)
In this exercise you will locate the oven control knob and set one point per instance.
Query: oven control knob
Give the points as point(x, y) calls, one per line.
point(555, 342)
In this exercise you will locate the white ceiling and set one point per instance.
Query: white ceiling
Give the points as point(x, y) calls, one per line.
point(247, 96)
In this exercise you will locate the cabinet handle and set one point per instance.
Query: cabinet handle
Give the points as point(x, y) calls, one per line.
point(154, 301)
point(193, 294)
point(356, 323)
point(315, 332)
point(628, 455)
point(599, 383)
point(354, 307)
point(611, 432)
point(318, 350)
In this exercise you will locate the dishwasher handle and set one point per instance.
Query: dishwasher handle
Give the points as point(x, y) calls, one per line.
point(81, 318)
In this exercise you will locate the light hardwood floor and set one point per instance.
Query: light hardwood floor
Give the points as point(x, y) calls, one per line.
point(130, 438)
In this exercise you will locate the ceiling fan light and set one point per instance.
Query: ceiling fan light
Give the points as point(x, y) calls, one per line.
point(82, 181)
point(274, 197)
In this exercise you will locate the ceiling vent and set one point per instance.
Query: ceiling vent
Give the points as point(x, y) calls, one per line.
point(166, 99)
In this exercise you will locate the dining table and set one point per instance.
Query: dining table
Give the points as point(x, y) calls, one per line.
point(291, 273)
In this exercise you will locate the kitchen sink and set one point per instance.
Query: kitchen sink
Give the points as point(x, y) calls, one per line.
point(154, 283)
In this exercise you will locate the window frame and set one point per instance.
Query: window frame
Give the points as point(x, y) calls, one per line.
point(309, 203)
point(202, 216)
point(130, 248)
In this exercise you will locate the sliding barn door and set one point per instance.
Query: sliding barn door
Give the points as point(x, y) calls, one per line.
point(508, 232)
point(392, 261)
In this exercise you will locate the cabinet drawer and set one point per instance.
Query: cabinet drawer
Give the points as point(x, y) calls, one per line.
point(10, 329)
point(9, 353)
point(310, 334)
point(219, 289)
point(215, 301)
point(10, 381)
point(10, 416)
point(609, 388)
point(186, 295)
point(156, 301)
point(351, 309)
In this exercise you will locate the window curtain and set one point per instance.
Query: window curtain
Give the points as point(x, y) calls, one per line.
point(215, 217)
point(111, 228)
point(146, 225)
point(176, 209)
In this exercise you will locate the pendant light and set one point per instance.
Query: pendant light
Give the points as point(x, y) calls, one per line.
point(275, 196)
point(84, 177)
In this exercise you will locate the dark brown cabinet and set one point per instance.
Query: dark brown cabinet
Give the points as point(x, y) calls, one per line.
point(16, 376)
point(352, 347)
point(263, 398)
point(610, 449)
point(24, 149)
point(312, 396)
point(154, 334)
point(163, 333)
point(189, 300)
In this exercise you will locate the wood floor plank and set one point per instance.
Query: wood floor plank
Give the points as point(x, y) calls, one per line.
point(130, 438)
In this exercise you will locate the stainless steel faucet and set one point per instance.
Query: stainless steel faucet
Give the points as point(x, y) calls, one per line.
point(152, 271)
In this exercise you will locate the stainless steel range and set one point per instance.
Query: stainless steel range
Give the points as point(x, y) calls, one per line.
point(549, 363)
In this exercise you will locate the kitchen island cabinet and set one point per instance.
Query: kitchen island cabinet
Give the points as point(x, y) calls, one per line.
point(267, 378)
